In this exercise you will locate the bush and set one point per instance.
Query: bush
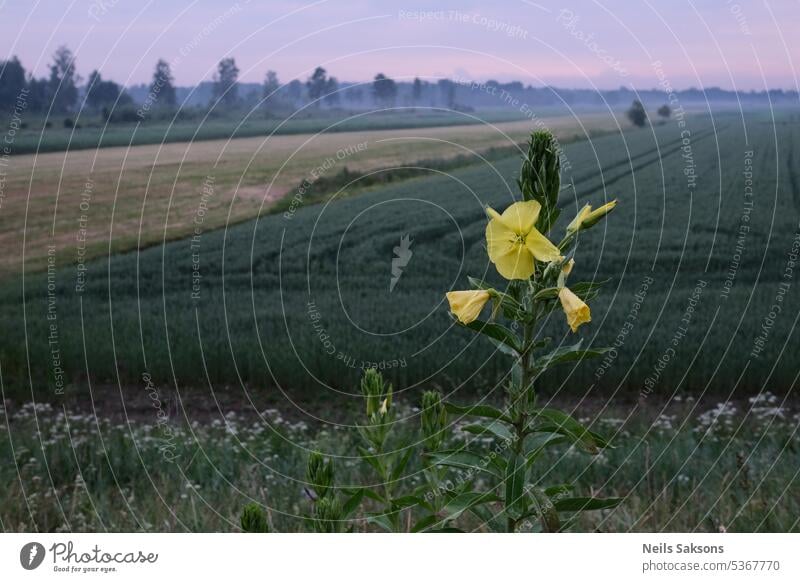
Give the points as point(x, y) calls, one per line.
point(637, 114)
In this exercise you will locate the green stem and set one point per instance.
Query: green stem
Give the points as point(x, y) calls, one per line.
point(521, 417)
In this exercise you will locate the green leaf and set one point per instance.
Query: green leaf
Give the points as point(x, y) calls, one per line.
point(400, 503)
point(366, 491)
point(464, 459)
point(479, 283)
point(546, 293)
point(545, 510)
point(488, 518)
point(536, 443)
point(382, 520)
point(397, 470)
point(352, 504)
point(559, 490)
point(588, 290)
point(516, 472)
point(498, 429)
point(564, 355)
point(586, 503)
point(558, 422)
point(503, 337)
point(371, 459)
point(464, 501)
point(483, 410)
point(425, 523)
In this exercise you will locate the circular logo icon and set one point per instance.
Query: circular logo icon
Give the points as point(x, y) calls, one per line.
point(31, 555)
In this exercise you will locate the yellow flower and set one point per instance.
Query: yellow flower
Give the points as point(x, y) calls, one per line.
point(513, 242)
point(587, 217)
point(467, 305)
point(577, 311)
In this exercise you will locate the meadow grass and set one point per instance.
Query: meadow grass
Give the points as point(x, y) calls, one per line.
point(681, 466)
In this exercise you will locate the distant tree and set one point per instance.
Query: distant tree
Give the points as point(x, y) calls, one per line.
point(448, 91)
point(162, 88)
point(384, 90)
point(100, 93)
point(294, 90)
point(63, 82)
point(664, 111)
point(225, 87)
point(416, 90)
point(317, 84)
point(637, 114)
point(271, 85)
point(332, 91)
point(12, 83)
point(38, 94)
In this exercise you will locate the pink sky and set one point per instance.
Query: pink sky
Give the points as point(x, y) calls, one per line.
point(582, 43)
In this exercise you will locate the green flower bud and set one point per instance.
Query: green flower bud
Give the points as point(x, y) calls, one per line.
point(434, 419)
point(540, 177)
point(328, 516)
point(377, 393)
point(319, 473)
point(253, 519)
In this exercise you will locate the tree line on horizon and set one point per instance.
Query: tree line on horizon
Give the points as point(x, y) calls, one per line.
point(64, 92)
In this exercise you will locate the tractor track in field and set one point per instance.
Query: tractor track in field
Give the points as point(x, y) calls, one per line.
point(793, 182)
point(660, 156)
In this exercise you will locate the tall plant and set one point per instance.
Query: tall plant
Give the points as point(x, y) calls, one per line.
point(537, 271)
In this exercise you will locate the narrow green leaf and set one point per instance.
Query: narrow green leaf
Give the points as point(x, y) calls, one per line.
point(546, 293)
point(502, 335)
point(371, 459)
point(425, 523)
point(586, 503)
point(399, 503)
point(545, 510)
point(382, 520)
point(463, 459)
point(483, 410)
point(352, 504)
point(464, 501)
point(397, 470)
point(566, 354)
point(550, 420)
point(497, 429)
point(515, 485)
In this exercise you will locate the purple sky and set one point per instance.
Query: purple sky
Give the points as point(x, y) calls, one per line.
point(746, 44)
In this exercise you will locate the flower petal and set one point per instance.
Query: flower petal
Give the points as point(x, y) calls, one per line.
point(500, 239)
point(492, 213)
point(515, 264)
point(521, 216)
point(467, 305)
point(541, 247)
point(576, 310)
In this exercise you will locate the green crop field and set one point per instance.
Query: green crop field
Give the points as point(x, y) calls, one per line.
point(117, 199)
point(699, 268)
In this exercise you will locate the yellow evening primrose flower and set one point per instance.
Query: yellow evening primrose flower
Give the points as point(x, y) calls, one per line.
point(587, 217)
point(513, 242)
point(577, 311)
point(467, 305)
